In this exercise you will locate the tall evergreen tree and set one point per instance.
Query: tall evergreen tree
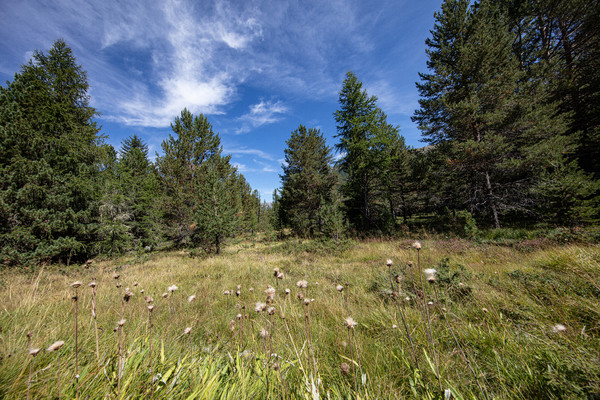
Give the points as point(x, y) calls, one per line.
point(307, 182)
point(181, 175)
point(365, 142)
point(48, 161)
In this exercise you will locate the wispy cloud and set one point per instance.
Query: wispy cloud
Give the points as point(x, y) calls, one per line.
point(246, 151)
point(262, 113)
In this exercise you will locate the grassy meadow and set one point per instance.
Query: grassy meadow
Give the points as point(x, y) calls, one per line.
point(493, 321)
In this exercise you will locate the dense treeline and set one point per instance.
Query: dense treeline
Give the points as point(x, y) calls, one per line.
point(509, 109)
point(66, 195)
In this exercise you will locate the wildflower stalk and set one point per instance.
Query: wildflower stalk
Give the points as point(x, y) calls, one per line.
point(462, 352)
point(93, 286)
point(417, 246)
point(76, 285)
point(401, 312)
point(33, 353)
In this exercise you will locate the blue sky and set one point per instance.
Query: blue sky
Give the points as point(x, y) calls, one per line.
point(256, 69)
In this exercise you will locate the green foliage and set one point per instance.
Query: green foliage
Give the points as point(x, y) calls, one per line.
point(49, 152)
point(308, 184)
point(372, 157)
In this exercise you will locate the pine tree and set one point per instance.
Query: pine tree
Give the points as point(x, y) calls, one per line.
point(180, 171)
point(48, 161)
point(365, 142)
point(307, 181)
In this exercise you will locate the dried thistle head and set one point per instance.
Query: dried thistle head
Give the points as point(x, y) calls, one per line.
point(345, 368)
point(239, 316)
point(271, 310)
point(93, 284)
point(280, 275)
point(34, 352)
point(56, 345)
point(121, 322)
point(339, 288)
point(238, 293)
point(270, 292)
point(135, 284)
point(165, 295)
point(191, 298)
point(264, 333)
point(172, 288)
point(559, 328)
point(302, 284)
point(118, 285)
point(350, 323)
point(389, 262)
point(115, 275)
point(128, 294)
point(227, 292)
point(410, 264)
point(232, 325)
point(287, 292)
point(275, 272)
point(76, 284)
point(307, 302)
point(148, 299)
point(430, 275)
point(260, 307)
point(417, 245)
point(187, 330)
point(398, 278)
point(251, 289)
point(151, 307)
point(300, 296)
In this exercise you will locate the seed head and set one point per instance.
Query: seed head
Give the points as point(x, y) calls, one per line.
point(271, 310)
point(118, 285)
point(276, 366)
point(187, 330)
point(559, 328)
point(410, 263)
point(287, 291)
point(151, 307)
point(398, 279)
point(135, 284)
point(339, 288)
point(394, 326)
point(239, 287)
point(172, 288)
point(260, 307)
point(430, 274)
point(251, 289)
point(300, 296)
point(280, 275)
point(270, 292)
point(275, 272)
point(389, 262)
point(93, 284)
point(148, 299)
point(417, 245)
point(227, 292)
point(345, 368)
point(307, 302)
point(350, 323)
point(55, 346)
point(239, 316)
point(121, 322)
point(115, 275)
point(165, 295)
point(76, 284)
point(34, 352)
point(128, 294)
point(302, 284)
point(264, 333)
point(232, 325)
point(191, 298)
point(238, 293)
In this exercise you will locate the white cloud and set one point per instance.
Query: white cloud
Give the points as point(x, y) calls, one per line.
point(262, 113)
point(391, 100)
point(246, 151)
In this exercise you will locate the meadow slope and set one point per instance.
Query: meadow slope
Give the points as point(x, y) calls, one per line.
point(519, 321)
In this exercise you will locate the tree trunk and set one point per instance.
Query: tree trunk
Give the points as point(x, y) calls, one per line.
point(492, 202)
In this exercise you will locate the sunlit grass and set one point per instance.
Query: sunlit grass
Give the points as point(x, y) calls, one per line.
point(501, 306)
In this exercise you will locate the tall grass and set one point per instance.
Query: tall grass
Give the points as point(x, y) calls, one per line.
point(494, 321)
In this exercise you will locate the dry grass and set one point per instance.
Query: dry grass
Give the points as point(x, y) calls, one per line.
point(501, 305)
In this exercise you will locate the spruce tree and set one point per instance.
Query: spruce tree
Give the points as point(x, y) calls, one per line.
point(48, 161)
point(366, 141)
point(307, 182)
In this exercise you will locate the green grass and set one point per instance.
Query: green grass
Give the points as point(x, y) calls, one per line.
point(501, 301)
